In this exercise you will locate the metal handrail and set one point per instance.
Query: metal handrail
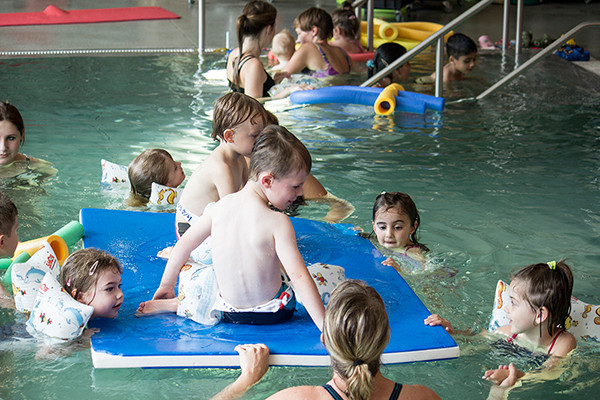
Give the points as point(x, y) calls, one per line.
point(550, 48)
point(428, 42)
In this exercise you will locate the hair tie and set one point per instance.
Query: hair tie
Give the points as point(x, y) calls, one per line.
point(352, 17)
point(371, 63)
point(552, 265)
point(93, 267)
point(357, 363)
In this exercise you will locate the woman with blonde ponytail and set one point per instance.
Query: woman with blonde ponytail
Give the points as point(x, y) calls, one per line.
point(255, 31)
point(355, 333)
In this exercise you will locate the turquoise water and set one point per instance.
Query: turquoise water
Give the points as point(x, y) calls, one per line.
point(499, 184)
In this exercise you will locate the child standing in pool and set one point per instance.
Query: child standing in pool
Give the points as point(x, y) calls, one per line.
point(248, 266)
point(395, 223)
point(462, 53)
point(12, 136)
point(238, 119)
point(155, 165)
point(540, 303)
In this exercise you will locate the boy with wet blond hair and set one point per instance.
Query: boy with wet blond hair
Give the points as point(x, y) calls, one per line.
point(238, 119)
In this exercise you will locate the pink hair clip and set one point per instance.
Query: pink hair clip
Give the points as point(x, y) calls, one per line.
point(93, 267)
point(69, 282)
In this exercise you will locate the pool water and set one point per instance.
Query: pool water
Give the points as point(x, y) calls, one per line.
point(499, 184)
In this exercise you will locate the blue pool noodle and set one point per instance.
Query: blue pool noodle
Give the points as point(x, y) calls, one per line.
point(405, 101)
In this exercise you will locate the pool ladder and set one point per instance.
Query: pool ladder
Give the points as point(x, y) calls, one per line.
point(438, 37)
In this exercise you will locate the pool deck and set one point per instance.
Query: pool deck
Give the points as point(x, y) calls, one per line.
point(551, 17)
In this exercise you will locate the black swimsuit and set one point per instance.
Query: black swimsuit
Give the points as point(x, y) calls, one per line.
point(268, 84)
point(394, 396)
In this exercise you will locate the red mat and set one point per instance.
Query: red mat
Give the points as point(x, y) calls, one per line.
point(54, 15)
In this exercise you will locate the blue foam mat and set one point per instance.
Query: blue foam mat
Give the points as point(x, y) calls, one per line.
point(167, 340)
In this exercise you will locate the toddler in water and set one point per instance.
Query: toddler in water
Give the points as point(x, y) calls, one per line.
point(284, 46)
point(395, 224)
point(154, 165)
point(462, 53)
point(540, 303)
point(93, 277)
point(346, 29)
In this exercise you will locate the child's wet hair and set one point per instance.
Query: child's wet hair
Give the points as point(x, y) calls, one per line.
point(283, 43)
point(150, 166)
point(459, 45)
point(9, 113)
point(8, 215)
point(385, 54)
point(404, 204)
point(347, 22)
point(278, 152)
point(318, 17)
point(547, 285)
point(81, 270)
point(234, 109)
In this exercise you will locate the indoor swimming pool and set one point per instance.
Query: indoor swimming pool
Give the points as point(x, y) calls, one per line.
point(499, 184)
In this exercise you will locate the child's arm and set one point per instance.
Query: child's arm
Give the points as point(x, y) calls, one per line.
point(180, 254)
point(289, 256)
point(435, 320)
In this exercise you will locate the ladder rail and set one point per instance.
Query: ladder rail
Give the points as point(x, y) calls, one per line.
point(428, 42)
point(533, 60)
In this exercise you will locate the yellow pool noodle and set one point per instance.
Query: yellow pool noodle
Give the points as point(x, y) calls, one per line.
point(56, 242)
point(384, 29)
point(386, 102)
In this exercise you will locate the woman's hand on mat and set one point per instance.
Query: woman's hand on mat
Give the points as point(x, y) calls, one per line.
point(254, 362)
point(280, 75)
point(505, 376)
point(436, 320)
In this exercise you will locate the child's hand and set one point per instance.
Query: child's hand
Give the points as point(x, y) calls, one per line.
point(436, 320)
point(390, 262)
point(254, 362)
point(505, 376)
point(280, 75)
point(164, 292)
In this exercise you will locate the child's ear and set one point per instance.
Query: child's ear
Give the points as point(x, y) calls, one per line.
point(228, 135)
point(414, 227)
point(2, 239)
point(451, 59)
point(321, 338)
point(314, 30)
point(266, 180)
point(543, 315)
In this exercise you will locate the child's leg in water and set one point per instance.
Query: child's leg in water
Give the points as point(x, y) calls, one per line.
point(157, 306)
